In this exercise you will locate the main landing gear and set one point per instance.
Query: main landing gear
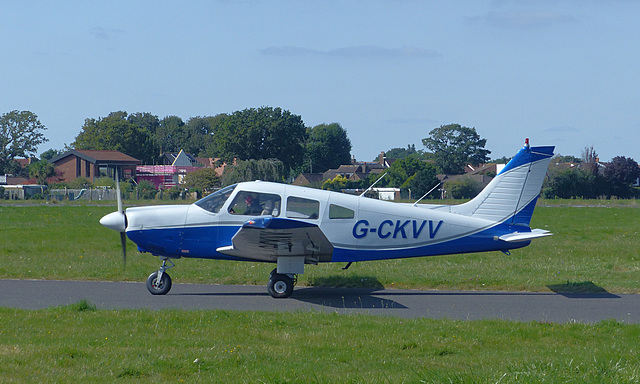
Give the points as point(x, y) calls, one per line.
point(159, 283)
point(280, 285)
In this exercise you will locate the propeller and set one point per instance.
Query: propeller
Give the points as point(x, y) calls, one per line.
point(123, 235)
point(118, 221)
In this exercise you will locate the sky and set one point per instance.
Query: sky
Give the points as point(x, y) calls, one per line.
point(560, 72)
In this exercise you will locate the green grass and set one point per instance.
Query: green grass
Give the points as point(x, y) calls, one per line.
point(593, 250)
point(594, 247)
point(81, 344)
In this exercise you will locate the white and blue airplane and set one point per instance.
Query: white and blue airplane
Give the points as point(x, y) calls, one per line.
point(293, 226)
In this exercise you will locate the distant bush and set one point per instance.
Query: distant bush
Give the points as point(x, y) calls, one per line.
point(146, 190)
point(80, 183)
point(105, 182)
point(466, 188)
point(174, 193)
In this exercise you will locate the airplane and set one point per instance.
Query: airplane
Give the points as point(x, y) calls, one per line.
point(292, 226)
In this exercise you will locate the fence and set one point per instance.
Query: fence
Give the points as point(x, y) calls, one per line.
point(82, 194)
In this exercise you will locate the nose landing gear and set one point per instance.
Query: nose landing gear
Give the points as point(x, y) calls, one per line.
point(159, 283)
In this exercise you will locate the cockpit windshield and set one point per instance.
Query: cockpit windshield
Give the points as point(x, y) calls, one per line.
point(216, 200)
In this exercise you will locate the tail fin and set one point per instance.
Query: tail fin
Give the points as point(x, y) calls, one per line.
point(511, 196)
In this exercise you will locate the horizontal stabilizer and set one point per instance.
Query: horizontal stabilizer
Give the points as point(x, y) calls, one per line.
point(525, 236)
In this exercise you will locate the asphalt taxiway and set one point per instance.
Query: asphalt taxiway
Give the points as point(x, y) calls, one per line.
point(464, 305)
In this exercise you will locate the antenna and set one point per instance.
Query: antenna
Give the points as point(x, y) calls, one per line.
point(425, 195)
point(376, 182)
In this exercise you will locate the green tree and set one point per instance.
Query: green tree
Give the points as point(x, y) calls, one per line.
point(465, 188)
point(200, 138)
point(620, 174)
point(502, 160)
point(401, 153)
point(249, 170)
point(204, 179)
point(20, 135)
point(590, 160)
point(50, 154)
point(572, 183)
point(422, 181)
point(336, 184)
point(145, 120)
point(327, 147)
point(263, 133)
point(80, 183)
point(117, 133)
point(41, 170)
point(455, 146)
point(146, 190)
point(170, 134)
point(105, 181)
point(409, 173)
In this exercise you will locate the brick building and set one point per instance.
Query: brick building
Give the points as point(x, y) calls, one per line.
point(92, 164)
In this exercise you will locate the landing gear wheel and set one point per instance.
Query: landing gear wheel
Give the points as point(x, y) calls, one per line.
point(280, 286)
point(161, 286)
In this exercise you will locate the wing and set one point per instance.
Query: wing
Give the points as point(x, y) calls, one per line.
point(265, 238)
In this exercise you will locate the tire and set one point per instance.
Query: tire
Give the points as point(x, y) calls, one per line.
point(280, 286)
point(159, 288)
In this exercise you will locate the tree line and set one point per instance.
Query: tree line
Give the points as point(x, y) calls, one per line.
point(274, 144)
point(250, 134)
point(588, 178)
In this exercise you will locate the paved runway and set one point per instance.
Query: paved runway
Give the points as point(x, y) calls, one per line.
point(465, 305)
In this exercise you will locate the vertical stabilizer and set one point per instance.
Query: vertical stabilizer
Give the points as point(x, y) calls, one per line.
point(511, 196)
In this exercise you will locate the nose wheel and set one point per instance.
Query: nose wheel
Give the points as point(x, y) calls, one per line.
point(159, 282)
point(280, 286)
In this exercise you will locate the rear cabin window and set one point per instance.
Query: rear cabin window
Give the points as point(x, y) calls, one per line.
point(255, 204)
point(300, 208)
point(338, 212)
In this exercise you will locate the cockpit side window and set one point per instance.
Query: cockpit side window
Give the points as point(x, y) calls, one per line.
point(255, 204)
point(216, 200)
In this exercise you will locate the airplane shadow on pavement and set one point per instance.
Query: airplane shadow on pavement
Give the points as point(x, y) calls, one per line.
point(347, 298)
point(581, 290)
point(339, 291)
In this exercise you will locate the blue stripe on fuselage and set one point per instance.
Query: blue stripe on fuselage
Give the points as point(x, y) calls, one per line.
point(202, 242)
point(479, 242)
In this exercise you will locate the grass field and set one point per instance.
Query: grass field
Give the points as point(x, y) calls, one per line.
point(81, 344)
point(592, 248)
